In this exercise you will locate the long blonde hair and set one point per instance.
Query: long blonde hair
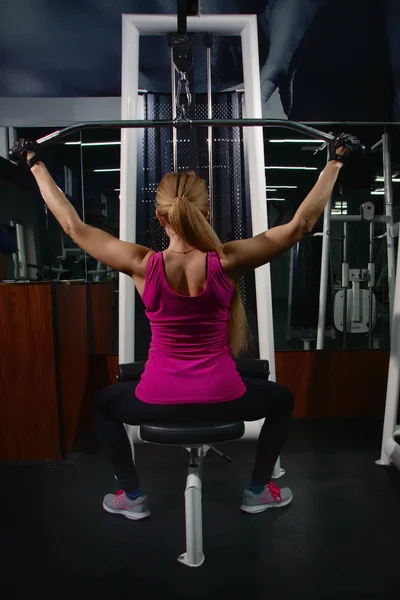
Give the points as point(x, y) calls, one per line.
point(182, 201)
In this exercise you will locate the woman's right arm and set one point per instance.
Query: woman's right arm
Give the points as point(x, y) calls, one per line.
point(122, 256)
point(240, 256)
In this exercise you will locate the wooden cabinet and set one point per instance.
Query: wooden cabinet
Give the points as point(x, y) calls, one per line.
point(56, 354)
point(335, 383)
point(47, 332)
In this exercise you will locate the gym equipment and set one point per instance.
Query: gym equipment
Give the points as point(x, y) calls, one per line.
point(246, 26)
point(157, 124)
point(391, 258)
point(387, 218)
point(328, 218)
point(390, 449)
point(208, 42)
point(354, 307)
point(355, 311)
point(197, 438)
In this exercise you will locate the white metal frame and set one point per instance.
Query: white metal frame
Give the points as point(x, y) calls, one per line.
point(388, 218)
point(194, 555)
point(323, 286)
point(133, 26)
point(20, 259)
point(388, 184)
point(390, 451)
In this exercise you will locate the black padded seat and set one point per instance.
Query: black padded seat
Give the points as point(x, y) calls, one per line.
point(191, 433)
point(252, 368)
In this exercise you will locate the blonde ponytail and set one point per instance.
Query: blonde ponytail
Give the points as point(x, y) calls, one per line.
point(182, 201)
point(191, 225)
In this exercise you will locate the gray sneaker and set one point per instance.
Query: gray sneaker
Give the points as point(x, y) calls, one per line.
point(271, 497)
point(120, 504)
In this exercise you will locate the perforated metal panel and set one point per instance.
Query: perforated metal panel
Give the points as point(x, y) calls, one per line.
point(232, 219)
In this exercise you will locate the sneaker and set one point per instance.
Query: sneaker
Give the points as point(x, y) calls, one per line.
point(271, 497)
point(120, 504)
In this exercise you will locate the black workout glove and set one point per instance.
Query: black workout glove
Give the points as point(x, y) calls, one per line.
point(19, 150)
point(345, 140)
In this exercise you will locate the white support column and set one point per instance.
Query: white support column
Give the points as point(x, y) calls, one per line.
point(4, 142)
point(323, 286)
point(128, 200)
point(390, 451)
point(246, 26)
point(290, 295)
point(128, 196)
point(12, 136)
point(8, 136)
point(387, 175)
point(194, 555)
point(258, 199)
point(258, 202)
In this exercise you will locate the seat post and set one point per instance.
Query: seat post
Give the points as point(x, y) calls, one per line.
point(195, 457)
point(196, 439)
point(194, 557)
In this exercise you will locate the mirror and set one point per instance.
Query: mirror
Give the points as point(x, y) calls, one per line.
point(87, 167)
point(41, 248)
point(296, 274)
point(100, 153)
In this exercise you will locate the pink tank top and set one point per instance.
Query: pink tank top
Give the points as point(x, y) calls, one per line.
point(190, 359)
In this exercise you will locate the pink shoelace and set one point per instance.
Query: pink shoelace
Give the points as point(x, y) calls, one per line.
point(118, 497)
point(275, 492)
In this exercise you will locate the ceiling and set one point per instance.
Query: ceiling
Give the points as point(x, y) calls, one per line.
point(57, 48)
point(54, 48)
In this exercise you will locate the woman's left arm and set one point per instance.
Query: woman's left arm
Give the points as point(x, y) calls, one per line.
point(125, 257)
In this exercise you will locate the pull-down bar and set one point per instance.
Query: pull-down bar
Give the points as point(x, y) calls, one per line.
point(142, 124)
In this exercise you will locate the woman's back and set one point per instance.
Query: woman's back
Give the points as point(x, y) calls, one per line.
point(188, 302)
point(186, 273)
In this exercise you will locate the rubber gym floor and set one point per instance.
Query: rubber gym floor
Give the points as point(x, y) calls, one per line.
point(339, 538)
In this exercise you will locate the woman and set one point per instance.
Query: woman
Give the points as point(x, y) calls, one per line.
point(197, 320)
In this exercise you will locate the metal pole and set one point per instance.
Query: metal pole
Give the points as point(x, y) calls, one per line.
point(131, 124)
point(358, 219)
point(128, 185)
point(210, 137)
point(391, 451)
point(354, 123)
point(376, 146)
point(371, 282)
point(258, 199)
point(290, 296)
point(323, 287)
point(345, 285)
point(182, 17)
point(81, 162)
point(173, 100)
point(387, 175)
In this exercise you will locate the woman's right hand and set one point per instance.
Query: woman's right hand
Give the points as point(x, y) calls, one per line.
point(23, 150)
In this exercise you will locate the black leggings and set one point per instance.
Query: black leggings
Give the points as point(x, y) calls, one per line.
point(117, 404)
